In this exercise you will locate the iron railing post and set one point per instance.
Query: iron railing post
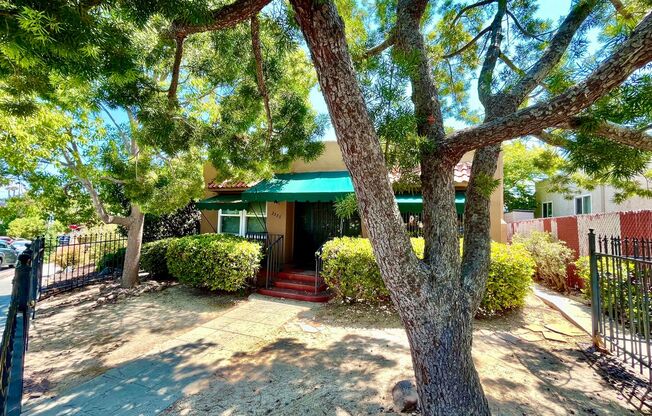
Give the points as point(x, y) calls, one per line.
point(595, 291)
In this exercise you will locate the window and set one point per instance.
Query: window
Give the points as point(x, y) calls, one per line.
point(583, 204)
point(546, 209)
point(240, 222)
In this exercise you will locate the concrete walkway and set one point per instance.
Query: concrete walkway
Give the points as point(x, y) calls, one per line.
point(181, 366)
point(576, 312)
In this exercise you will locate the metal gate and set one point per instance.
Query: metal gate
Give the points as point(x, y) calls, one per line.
point(621, 280)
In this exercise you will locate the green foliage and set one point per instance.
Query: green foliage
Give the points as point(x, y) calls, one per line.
point(67, 256)
point(153, 258)
point(583, 271)
point(524, 164)
point(510, 277)
point(350, 269)
point(346, 207)
point(111, 260)
point(32, 227)
point(214, 261)
point(551, 257)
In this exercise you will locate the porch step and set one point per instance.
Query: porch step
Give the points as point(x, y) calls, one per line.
point(305, 276)
point(300, 285)
point(296, 294)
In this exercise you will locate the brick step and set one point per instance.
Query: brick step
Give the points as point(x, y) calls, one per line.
point(306, 276)
point(296, 295)
point(299, 285)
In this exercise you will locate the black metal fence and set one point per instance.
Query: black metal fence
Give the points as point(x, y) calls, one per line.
point(621, 280)
point(73, 261)
point(16, 328)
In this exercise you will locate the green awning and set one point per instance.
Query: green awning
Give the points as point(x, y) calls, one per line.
point(414, 203)
point(302, 187)
point(223, 202)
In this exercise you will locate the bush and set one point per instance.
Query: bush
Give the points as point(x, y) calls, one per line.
point(153, 258)
point(67, 256)
point(552, 258)
point(350, 270)
point(510, 277)
point(112, 260)
point(214, 261)
point(583, 271)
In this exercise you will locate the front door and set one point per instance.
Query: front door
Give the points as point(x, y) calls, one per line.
point(314, 224)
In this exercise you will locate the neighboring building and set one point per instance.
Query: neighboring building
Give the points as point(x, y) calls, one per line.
point(519, 215)
point(299, 206)
point(582, 201)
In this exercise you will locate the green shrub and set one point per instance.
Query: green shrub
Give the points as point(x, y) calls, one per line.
point(153, 258)
point(552, 258)
point(112, 260)
point(350, 270)
point(214, 261)
point(583, 271)
point(510, 277)
point(67, 256)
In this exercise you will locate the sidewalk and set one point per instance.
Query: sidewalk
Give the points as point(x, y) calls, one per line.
point(181, 366)
point(576, 312)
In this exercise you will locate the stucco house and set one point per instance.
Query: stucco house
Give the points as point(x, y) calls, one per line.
point(294, 211)
point(583, 201)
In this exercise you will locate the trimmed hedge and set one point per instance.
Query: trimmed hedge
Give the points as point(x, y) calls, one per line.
point(350, 270)
point(214, 261)
point(153, 258)
point(510, 277)
point(112, 260)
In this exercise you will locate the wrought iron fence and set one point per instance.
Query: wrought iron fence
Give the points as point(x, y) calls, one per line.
point(78, 260)
point(16, 328)
point(621, 297)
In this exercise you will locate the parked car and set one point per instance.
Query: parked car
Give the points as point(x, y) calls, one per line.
point(20, 245)
point(63, 240)
point(6, 239)
point(8, 256)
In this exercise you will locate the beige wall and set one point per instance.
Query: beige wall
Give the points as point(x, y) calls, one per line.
point(280, 220)
point(602, 200)
point(329, 160)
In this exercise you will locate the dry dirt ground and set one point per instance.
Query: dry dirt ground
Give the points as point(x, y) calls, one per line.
point(332, 360)
point(73, 339)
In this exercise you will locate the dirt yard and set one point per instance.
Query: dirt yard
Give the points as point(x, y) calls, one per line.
point(344, 360)
point(332, 360)
point(73, 339)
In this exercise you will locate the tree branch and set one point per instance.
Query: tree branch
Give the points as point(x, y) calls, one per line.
point(381, 47)
point(260, 76)
point(635, 138)
point(176, 67)
point(522, 29)
point(469, 7)
point(222, 18)
point(620, 8)
point(468, 45)
point(555, 50)
point(511, 64)
point(491, 58)
point(631, 55)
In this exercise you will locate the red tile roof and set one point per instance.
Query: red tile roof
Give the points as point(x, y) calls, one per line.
point(229, 184)
point(461, 173)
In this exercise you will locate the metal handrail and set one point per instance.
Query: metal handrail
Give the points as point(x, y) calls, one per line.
point(318, 267)
point(274, 255)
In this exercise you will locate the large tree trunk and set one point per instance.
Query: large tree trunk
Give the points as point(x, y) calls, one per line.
point(434, 308)
point(134, 244)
